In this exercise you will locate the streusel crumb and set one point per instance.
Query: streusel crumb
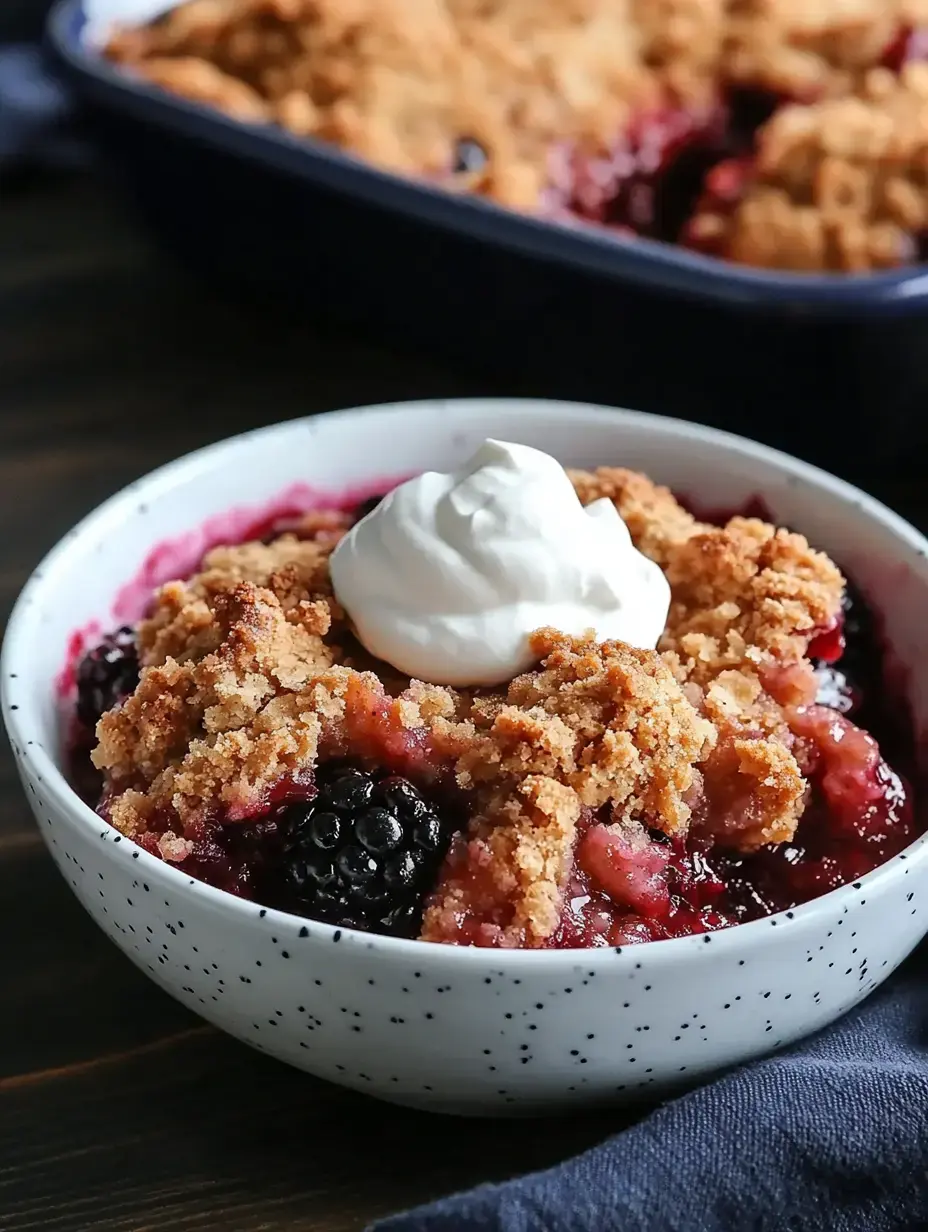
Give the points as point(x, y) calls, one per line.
point(596, 724)
point(654, 517)
point(840, 185)
point(743, 593)
point(604, 111)
point(251, 674)
point(605, 719)
point(747, 599)
point(204, 83)
point(403, 85)
point(807, 49)
point(502, 880)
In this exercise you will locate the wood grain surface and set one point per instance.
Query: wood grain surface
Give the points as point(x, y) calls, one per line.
point(118, 1109)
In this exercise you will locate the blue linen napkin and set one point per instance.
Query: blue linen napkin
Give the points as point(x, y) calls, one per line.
point(36, 121)
point(830, 1136)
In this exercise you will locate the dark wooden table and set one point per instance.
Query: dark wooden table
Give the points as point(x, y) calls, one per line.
point(118, 1109)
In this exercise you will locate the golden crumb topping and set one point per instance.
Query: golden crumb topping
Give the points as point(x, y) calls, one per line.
point(503, 877)
point(250, 675)
point(606, 720)
point(839, 185)
point(595, 725)
point(747, 599)
point(806, 49)
point(742, 593)
point(585, 106)
point(404, 84)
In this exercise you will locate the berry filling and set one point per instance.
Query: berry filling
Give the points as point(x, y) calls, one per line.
point(106, 675)
point(647, 182)
point(910, 45)
point(722, 191)
point(676, 171)
point(859, 815)
point(241, 858)
point(630, 888)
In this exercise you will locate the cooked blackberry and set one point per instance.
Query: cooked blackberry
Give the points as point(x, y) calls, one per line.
point(106, 675)
point(364, 852)
point(862, 655)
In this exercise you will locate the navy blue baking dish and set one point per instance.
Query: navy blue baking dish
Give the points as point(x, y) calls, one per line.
point(583, 313)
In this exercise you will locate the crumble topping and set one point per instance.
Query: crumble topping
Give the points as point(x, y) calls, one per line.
point(205, 83)
point(607, 720)
point(836, 186)
point(403, 88)
point(583, 108)
point(804, 49)
point(741, 591)
point(250, 674)
point(681, 40)
point(503, 877)
point(747, 599)
point(595, 725)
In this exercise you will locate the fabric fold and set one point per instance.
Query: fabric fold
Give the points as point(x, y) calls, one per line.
point(829, 1136)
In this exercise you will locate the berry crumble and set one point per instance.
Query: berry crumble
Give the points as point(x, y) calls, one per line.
point(785, 134)
point(607, 795)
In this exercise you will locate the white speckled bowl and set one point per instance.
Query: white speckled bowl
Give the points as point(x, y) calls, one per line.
point(466, 1030)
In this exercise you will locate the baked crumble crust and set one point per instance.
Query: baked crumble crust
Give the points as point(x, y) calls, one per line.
point(250, 674)
point(202, 82)
point(606, 720)
point(808, 49)
point(502, 880)
point(682, 40)
point(594, 725)
point(740, 592)
point(654, 517)
point(401, 85)
point(840, 185)
point(747, 599)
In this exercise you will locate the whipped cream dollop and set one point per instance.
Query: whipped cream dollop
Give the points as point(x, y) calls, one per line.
point(446, 578)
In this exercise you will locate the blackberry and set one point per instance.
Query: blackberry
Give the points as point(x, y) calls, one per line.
point(106, 675)
point(364, 852)
point(862, 652)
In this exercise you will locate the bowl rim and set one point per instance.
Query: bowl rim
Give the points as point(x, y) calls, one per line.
point(19, 701)
point(640, 261)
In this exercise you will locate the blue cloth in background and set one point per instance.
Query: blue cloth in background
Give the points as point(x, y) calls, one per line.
point(830, 1136)
point(36, 121)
